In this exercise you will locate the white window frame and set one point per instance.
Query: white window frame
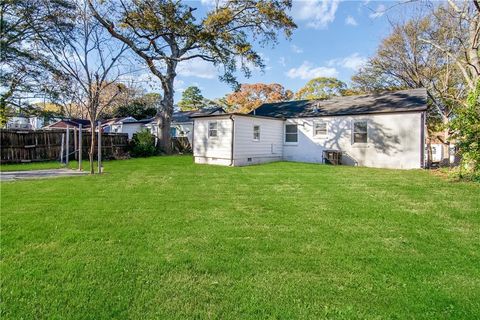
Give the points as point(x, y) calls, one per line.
point(210, 136)
point(353, 132)
point(315, 122)
point(259, 132)
point(285, 134)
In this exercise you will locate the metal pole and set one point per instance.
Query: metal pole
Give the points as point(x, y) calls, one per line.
point(80, 147)
point(61, 148)
point(75, 143)
point(67, 142)
point(99, 146)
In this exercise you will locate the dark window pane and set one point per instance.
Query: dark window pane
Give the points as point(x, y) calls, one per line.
point(291, 128)
point(360, 127)
point(291, 137)
point(360, 138)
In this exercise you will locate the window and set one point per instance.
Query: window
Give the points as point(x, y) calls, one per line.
point(360, 132)
point(256, 133)
point(173, 132)
point(212, 129)
point(291, 133)
point(319, 129)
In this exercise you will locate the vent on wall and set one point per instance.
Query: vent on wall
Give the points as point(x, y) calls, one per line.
point(249, 159)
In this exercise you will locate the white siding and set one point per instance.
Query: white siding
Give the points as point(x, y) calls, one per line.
point(184, 129)
point(268, 148)
point(131, 128)
point(394, 141)
point(212, 149)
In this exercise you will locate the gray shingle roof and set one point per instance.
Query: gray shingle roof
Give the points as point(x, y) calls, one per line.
point(394, 101)
point(184, 116)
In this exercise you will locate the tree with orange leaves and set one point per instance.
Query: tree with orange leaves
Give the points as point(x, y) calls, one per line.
point(251, 96)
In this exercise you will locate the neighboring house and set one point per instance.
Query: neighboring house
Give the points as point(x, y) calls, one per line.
point(442, 153)
point(70, 122)
point(379, 130)
point(115, 124)
point(182, 124)
point(25, 122)
point(130, 126)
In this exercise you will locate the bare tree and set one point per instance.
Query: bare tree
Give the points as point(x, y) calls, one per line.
point(460, 23)
point(90, 63)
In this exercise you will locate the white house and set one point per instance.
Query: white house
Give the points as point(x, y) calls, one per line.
point(129, 125)
point(115, 124)
point(384, 130)
point(25, 122)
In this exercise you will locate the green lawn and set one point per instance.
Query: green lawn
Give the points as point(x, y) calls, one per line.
point(164, 238)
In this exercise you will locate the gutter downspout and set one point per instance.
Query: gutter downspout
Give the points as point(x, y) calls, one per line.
point(233, 139)
point(193, 138)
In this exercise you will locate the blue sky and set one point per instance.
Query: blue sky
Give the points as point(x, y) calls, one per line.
point(333, 38)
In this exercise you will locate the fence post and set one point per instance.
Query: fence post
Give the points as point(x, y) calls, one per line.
point(75, 143)
point(99, 146)
point(80, 147)
point(67, 142)
point(61, 148)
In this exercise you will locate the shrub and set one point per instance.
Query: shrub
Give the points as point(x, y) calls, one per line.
point(143, 144)
point(466, 125)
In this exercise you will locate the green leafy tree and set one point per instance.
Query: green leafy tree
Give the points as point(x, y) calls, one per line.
point(140, 108)
point(192, 99)
point(466, 126)
point(166, 33)
point(23, 70)
point(321, 88)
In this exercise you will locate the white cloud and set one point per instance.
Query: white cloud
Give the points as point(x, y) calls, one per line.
point(351, 21)
point(197, 68)
point(307, 71)
point(296, 49)
point(354, 61)
point(380, 11)
point(179, 85)
point(212, 3)
point(282, 62)
point(317, 13)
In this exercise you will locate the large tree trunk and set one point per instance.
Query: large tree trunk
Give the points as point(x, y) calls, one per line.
point(446, 148)
point(164, 114)
point(92, 146)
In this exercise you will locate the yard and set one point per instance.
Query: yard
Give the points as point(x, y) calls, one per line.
point(164, 238)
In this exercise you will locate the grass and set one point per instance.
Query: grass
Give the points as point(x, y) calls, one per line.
point(163, 238)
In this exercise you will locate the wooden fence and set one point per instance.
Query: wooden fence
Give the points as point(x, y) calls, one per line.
point(44, 145)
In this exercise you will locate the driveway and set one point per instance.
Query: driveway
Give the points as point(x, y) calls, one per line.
point(39, 174)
